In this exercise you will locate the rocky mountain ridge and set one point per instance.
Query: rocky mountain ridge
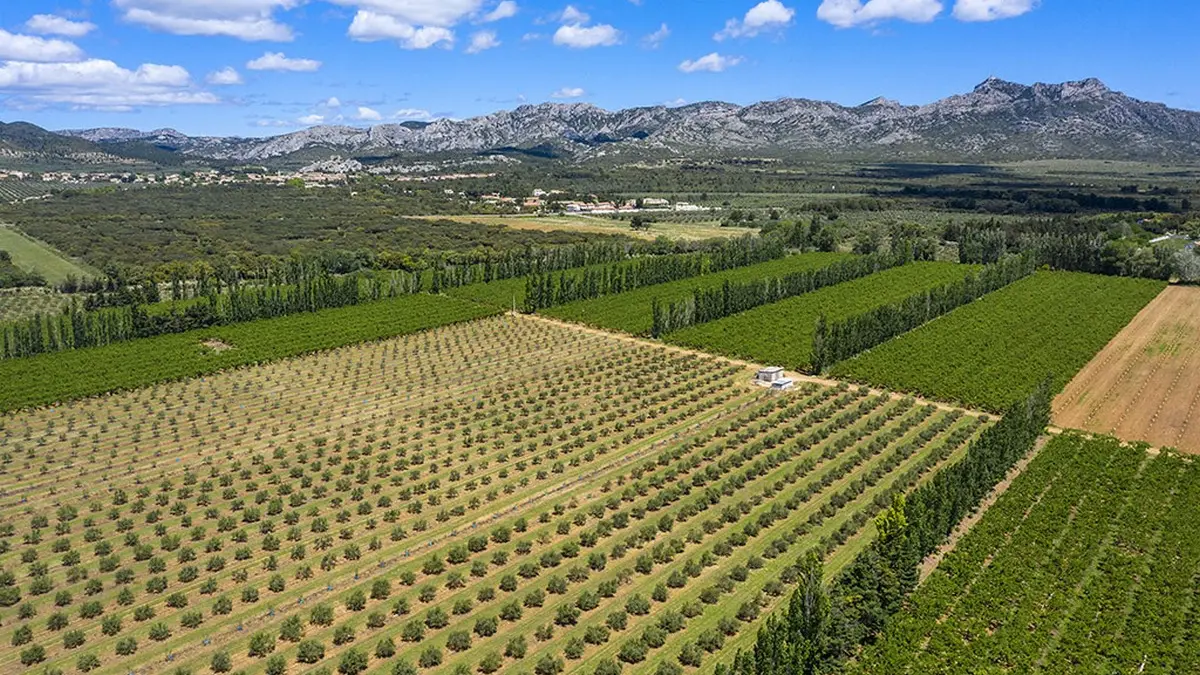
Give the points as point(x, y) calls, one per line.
point(998, 120)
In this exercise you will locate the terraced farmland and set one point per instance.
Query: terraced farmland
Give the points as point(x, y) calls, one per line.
point(996, 350)
point(506, 494)
point(631, 312)
point(782, 333)
point(1087, 564)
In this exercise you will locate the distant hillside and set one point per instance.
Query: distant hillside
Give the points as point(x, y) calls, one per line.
point(998, 120)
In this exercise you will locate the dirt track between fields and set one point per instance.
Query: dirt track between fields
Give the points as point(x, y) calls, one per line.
point(1145, 384)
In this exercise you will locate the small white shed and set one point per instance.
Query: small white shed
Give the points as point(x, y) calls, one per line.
point(782, 384)
point(771, 374)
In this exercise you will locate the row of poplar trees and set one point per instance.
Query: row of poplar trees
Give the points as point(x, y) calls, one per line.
point(822, 627)
point(299, 286)
point(833, 342)
point(709, 304)
point(543, 290)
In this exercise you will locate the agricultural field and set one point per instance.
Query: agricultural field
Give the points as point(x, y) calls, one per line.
point(21, 303)
point(782, 333)
point(16, 190)
point(32, 255)
point(631, 312)
point(503, 495)
point(1145, 384)
point(1087, 564)
point(665, 225)
point(61, 376)
point(998, 349)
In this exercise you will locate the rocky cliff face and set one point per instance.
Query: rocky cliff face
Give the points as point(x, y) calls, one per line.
point(997, 120)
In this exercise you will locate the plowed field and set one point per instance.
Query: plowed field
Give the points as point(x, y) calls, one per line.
point(1145, 385)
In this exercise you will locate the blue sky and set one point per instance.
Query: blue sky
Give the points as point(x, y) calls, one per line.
point(260, 67)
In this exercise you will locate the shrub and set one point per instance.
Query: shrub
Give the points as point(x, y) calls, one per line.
point(574, 649)
point(310, 651)
point(73, 639)
point(637, 605)
point(491, 663)
point(126, 646)
point(321, 615)
point(292, 629)
point(516, 647)
point(32, 655)
point(87, 663)
point(220, 663)
point(356, 601)
point(633, 651)
point(159, 632)
point(276, 665)
point(22, 635)
point(353, 662)
point(607, 667)
point(385, 649)
point(548, 665)
point(431, 656)
point(458, 641)
point(343, 634)
point(261, 644)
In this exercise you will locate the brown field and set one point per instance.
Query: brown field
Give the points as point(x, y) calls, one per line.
point(598, 225)
point(1145, 385)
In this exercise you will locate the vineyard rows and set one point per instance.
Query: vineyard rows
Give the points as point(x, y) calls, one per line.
point(501, 493)
point(11, 191)
point(782, 333)
point(1086, 564)
point(631, 312)
point(996, 350)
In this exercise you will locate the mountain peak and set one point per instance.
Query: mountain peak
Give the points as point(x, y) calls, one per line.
point(881, 102)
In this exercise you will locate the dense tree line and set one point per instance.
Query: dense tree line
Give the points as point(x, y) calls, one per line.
point(532, 260)
point(705, 305)
point(1072, 252)
point(299, 286)
point(544, 290)
point(1036, 201)
point(821, 628)
point(833, 342)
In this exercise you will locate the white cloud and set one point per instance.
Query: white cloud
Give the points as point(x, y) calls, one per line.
point(504, 10)
point(653, 40)
point(367, 114)
point(277, 61)
point(850, 13)
point(572, 14)
point(99, 83)
point(310, 120)
point(370, 27)
point(711, 63)
point(569, 92)
point(416, 114)
point(51, 24)
point(764, 16)
point(584, 37)
point(676, 103)
point(991, 10)
point(243, 19)
point(483, 41)
point(225, 76)
point(17, 47)
point(443, 13)
point(331, 102)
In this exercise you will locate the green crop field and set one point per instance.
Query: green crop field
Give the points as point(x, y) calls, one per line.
point(997, 349)
point(1086, 564)
point(782, 333)
point(60, 376)
point(445, 501)
point(631, 312)
point(32, 255)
